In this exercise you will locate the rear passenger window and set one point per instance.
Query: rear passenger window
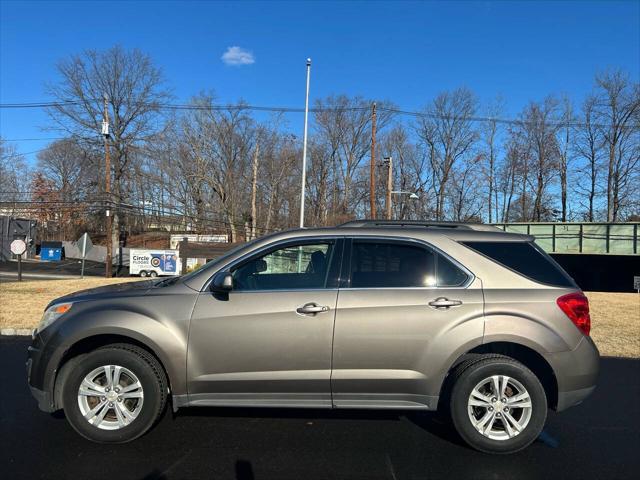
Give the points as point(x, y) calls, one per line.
point(525, 259)
point(396, 265)
point(376, 264)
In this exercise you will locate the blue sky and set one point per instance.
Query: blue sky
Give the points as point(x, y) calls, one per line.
point(406, 52)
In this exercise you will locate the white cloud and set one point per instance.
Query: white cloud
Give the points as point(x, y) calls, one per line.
point(237, 56)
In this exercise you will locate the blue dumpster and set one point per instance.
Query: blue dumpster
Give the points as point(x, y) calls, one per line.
point(51, 254)
point(51, 251)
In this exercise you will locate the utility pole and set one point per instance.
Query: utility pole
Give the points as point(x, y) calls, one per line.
point(389, 162)
point(372, 173)
point(107, 186)
point(304, 147)
point(254, 188)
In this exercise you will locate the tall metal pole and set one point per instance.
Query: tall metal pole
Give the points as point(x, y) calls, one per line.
point(372, 173)
point(304, 147)
point(389, 185)
point(107, 187)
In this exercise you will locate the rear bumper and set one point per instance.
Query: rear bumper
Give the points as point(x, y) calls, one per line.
point(573, 397)
point(576, 373)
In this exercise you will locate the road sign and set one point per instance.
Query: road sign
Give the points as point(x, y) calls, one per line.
point(18, 247)
point(85, 245)
point(636, 283)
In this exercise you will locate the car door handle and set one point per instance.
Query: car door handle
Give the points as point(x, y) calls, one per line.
point(312, 309)
point(442, 302)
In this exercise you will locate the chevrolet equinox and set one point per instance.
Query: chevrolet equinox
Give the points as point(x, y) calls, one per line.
point(463, 318)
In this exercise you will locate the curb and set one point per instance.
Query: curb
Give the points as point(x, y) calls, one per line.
point(12, 332)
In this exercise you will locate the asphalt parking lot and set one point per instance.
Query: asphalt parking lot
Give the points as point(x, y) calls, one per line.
point(599, 439)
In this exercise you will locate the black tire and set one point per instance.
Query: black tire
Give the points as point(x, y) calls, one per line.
point(153, 274)
point(148, 371)
point(143, 273)
point(474, 371)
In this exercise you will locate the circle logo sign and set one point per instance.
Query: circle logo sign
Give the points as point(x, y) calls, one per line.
point(18, 247)
point(155, 262)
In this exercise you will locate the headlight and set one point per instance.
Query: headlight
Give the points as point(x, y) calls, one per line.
point(53, 313)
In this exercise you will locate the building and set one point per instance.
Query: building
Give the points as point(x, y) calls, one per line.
point(11, 229)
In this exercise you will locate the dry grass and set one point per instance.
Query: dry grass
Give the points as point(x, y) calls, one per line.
point(22, 303)
point(615, 323)
point(615, 317)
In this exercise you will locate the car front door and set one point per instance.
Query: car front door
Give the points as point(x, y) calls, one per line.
point(268, 341)
point(402, 309)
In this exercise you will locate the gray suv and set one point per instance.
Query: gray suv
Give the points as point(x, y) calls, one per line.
point(462, 318)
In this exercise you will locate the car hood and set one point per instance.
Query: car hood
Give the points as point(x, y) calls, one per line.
point(126, 289)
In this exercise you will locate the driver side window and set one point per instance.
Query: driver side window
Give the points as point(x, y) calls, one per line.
point(293, 267)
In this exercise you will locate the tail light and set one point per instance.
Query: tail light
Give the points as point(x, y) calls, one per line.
point(576, 307)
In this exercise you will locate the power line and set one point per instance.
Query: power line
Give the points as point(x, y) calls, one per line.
point(13, 155)
point(32, 139)
point(329, 109)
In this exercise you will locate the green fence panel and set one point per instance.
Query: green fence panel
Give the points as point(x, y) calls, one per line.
point(594, 238)
point(544, 236)
point(516, 228)
point(621, 239)
point(567, 238)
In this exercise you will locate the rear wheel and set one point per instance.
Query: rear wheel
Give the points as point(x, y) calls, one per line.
point(143, 273)
point(153, 274)
point(498, 405)
point(115, 394)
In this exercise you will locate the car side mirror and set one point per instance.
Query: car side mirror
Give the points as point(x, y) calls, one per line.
point(222, 282)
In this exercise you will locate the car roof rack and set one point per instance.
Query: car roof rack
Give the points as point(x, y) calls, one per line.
point(420, 223)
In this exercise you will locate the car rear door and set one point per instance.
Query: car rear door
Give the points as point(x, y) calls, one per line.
point(403, 308)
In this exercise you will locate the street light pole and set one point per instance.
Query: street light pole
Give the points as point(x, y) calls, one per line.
point(389, 162)
point(304, 146)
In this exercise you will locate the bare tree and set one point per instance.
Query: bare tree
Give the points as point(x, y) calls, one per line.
point(447, 132)
point(565, 138)
point(489, 133)
point(344, 124)
point(134, 89)
point(14, 174)
point(588, 147)
point(507, 177)
point(70, 167)
point(538, 128)
point(617, 108)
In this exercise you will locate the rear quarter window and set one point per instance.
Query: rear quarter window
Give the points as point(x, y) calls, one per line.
point(526, 259)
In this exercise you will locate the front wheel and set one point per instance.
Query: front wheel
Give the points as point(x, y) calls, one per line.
point(498, 405)
point(115, 394)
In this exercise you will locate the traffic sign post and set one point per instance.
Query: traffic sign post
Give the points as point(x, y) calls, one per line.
point(636, 283)
point(18, 247)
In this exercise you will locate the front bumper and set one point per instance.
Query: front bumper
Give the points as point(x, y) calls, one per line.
point(45, 403)
point(576, 373)
point(36, 366)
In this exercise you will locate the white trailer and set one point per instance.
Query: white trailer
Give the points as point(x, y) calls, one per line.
point(154, 263)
